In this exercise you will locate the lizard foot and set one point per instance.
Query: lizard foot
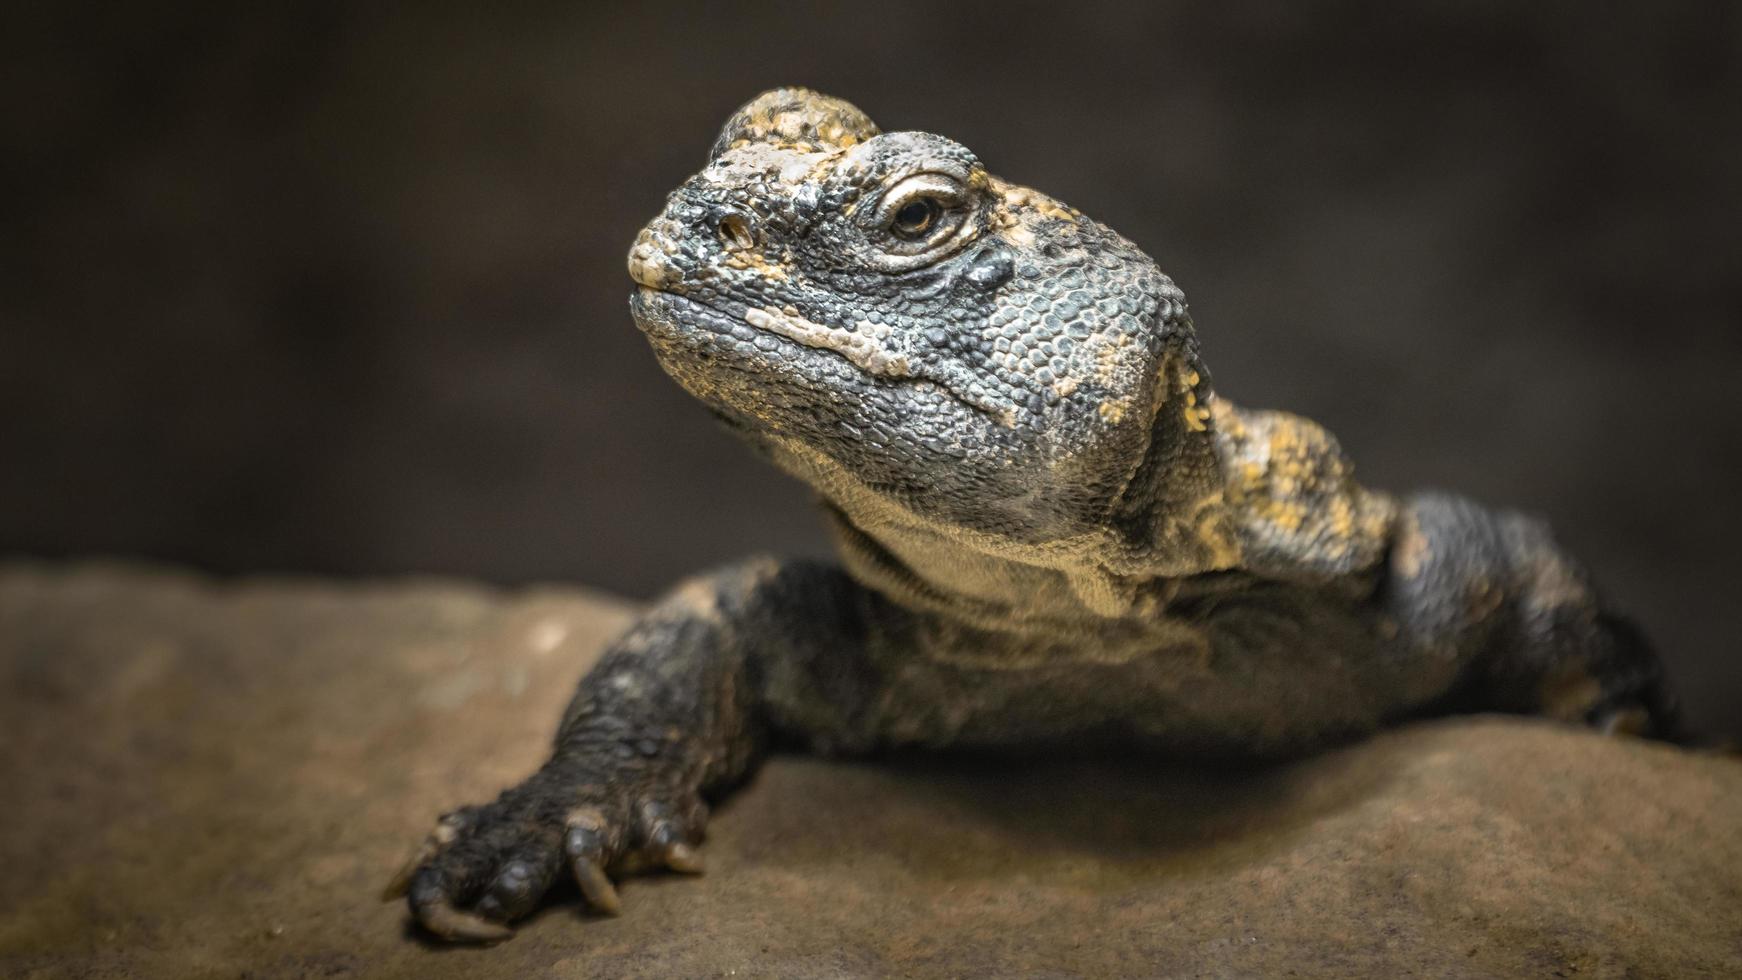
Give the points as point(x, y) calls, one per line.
point(486, 866)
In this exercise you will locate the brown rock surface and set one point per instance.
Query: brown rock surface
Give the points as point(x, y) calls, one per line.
point(211, 779)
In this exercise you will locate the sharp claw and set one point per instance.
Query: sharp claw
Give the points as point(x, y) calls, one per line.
point(585, 846)
point(440, 917)
point(683, 858)
point(401, 881)
point(596, 886)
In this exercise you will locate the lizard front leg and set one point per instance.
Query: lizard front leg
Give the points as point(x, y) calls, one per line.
point(1494, 590)
point(672, 715)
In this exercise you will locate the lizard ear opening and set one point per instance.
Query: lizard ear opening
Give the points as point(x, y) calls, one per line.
point(795, 115)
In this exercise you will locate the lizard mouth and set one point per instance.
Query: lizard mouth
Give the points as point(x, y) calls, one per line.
point(783, 337)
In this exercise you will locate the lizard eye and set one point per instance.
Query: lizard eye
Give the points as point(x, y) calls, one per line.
point(920, 219)
point(916, 217)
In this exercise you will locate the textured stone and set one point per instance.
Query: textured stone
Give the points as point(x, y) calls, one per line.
point(215, 779)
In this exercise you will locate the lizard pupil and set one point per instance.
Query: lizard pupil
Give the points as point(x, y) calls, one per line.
point(915, 217)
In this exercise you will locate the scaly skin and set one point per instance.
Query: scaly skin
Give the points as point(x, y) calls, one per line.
point(1052, 530)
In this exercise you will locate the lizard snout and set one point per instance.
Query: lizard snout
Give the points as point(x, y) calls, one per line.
point(650, 257)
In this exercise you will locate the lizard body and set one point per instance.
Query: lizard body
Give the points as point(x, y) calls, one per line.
point(1052, 529)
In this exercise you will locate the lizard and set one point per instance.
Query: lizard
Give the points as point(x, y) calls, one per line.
point(1052, 531)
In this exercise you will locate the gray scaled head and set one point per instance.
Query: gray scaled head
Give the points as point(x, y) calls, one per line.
point(885, 318)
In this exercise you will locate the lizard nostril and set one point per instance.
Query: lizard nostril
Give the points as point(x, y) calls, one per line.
point(734, 231)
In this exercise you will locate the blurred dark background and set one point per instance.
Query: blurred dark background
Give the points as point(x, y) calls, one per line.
point(340, 288)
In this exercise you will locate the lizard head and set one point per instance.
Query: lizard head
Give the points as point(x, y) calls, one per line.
point(878, 312)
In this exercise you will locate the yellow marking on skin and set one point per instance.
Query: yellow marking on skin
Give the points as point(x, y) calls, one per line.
point(1018, 208)
point(1196, 418)
point(1065, 387)
point(1551, 583)
point(797, 116)
point(1411, 553)
point(851, 344)
point(758, 263)
point(1228, 420)
point(1224, 550)
point(1286, 514)
point(1210, 527)
point(824, 167)
point(698, 597)
point(1289, 480)
point(1028, 197)
point(1342, 517)
point(1113, 410)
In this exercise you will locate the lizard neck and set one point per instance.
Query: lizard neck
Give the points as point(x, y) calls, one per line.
point(1170, 521)
point(1027, 589)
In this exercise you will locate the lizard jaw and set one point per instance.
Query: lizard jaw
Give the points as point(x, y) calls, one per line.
point(858, 346)
point(861, 347)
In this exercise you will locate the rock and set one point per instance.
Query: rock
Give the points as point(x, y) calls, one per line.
point(215, 779)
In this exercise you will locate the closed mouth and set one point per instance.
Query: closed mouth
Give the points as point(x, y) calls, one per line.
point(658, 311)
